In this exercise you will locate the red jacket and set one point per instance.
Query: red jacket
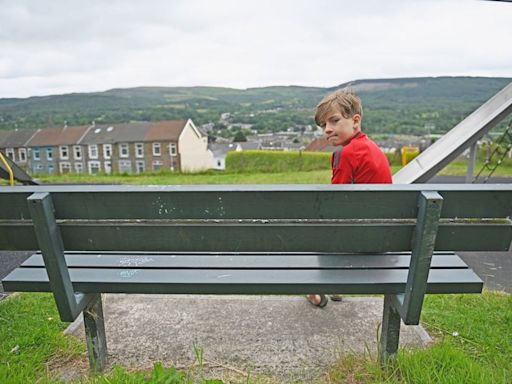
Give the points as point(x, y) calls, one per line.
point(360, 162)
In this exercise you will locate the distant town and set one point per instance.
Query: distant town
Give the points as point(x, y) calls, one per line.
point(138, 147)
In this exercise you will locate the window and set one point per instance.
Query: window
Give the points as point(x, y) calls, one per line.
point(107, 151)
point(22, 153)
point(77, 150)
point(172, 149)
point(125, 166)
point(35, 154)
point(139, 150)
point(108, 167)
point(93, 151)
point(156, 149)
point(139, 166)
point(64, 167)
point(157, 165)
point(123, 150)
point(79, 168)
point(50, 169)
point(94, 167)
point(64, 152)
point(10, 153)
point(49, 155)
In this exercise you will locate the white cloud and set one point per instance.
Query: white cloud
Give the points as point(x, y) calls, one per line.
point(71, 46)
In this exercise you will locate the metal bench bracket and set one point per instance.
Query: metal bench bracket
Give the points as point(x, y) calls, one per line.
point(69, 303)
point(409, 303)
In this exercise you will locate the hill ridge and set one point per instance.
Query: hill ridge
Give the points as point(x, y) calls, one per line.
point(392, 105)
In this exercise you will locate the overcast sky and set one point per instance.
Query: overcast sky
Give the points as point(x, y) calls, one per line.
point(55, 47)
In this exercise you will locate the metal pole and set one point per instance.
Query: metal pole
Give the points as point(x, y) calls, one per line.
point(471, 163)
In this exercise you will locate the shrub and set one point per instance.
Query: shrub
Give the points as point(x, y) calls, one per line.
point(394, 158)
point(271, 161)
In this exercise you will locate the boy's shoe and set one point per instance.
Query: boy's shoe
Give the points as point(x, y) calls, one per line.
point(323, 300)
point(336, 297)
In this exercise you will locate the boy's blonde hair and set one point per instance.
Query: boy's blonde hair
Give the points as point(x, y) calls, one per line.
point(344, 101)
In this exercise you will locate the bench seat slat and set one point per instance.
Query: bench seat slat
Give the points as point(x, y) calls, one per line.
point(245, 261)
point(242, 281)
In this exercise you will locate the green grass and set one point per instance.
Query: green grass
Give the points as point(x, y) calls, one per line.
point(210, 177)
point(276, 161)
point(485, 336)
point(31, 338)
point(313, 177)
point(473, 345)
point(322, 176)
point(214, 177)
point(459, 168)
point(159, 374)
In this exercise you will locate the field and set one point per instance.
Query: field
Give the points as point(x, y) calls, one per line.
point(213, 177)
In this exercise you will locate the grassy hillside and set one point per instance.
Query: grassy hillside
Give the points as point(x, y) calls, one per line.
point(390, 105)
point(406, 105)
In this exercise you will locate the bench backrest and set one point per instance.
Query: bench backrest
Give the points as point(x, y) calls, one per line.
point(263, 218)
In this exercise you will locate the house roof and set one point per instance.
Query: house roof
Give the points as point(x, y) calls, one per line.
point(169, 130)
point(272, 144)
point(16, 138)
point(250, 145)
point(295, 146)
point(222, 149)
point(116, 133)
point(57, 136)
point(320, 145)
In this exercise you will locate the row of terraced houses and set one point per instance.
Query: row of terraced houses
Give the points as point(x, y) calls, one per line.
point(176, 145)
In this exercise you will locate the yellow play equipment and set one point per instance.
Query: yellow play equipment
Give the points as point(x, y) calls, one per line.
point(7, 168)
point(408, 153)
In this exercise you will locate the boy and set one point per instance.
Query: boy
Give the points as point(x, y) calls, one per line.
point(360, 161)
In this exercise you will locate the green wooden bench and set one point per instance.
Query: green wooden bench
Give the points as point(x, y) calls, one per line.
point(263, 239)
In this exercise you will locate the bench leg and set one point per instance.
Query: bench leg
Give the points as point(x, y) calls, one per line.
point(390, 332)
point(95, 335)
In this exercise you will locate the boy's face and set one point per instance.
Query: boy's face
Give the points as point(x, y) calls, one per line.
point(338, 129)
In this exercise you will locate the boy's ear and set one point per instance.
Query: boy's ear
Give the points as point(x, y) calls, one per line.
point(357, 120)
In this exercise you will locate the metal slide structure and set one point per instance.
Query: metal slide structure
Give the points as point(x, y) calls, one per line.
point(10, 171)
point(453, 143)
